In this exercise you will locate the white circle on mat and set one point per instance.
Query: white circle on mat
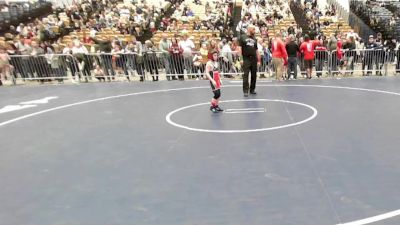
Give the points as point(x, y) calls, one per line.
point(170, 121)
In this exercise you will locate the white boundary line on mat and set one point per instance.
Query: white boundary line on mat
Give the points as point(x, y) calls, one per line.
point(170, 121)
point(358, 222)
point(374, 218)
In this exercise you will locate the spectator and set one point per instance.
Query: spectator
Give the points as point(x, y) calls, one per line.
point(369, 55)
point(164, 46)
point(332, 48)
point(321, 56)
point(279, 56)
point(119, 59)
point(188, 47)
point(308, 48)
point(292, 49)
point(5, 67)
point(176, 52)
point(136, 50)
point(151, 59)
point(349, 48)
point(99, 73)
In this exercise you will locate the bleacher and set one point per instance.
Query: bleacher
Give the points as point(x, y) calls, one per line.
point(335, 26)
point(377, 16)
point(20, 12)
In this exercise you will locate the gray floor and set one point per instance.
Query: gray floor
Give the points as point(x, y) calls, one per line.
point(117, 161)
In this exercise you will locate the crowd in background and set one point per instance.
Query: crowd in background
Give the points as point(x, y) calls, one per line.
point(181, 54)
point(264, 15)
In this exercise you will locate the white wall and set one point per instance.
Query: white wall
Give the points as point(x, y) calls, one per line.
point(322, 4)
point(344, 3)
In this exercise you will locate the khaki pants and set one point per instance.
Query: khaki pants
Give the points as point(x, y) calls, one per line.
point(278, 67)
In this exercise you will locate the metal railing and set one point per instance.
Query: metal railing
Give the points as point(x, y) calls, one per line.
point(148, 65)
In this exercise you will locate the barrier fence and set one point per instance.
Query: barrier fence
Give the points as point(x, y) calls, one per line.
point(149, 65)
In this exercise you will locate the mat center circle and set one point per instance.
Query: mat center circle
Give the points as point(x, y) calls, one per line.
point(242, 116)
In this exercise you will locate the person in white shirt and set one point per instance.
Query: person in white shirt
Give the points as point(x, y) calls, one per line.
point(20, 27)
point(137, 18)
point(244, 23)
point(80, 52)
point(124, 12)
point(68, 49)
point(188, 46)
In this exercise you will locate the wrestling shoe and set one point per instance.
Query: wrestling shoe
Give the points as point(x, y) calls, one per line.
point(219, 109)
point(213, 109)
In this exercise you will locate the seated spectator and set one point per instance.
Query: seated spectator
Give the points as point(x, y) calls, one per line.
point(99, 73)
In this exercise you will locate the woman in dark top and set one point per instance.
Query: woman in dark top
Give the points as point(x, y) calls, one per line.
point(176, 58)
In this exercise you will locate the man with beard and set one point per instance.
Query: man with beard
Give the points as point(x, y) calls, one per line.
point(251, 58)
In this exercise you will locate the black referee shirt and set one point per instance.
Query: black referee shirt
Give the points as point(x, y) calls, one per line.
point(249, 46)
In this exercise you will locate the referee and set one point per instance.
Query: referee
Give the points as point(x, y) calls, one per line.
point(251, 58)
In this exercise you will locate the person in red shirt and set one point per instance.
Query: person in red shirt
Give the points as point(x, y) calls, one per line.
point(340, 54)
point(279, 55)
point(307, 48)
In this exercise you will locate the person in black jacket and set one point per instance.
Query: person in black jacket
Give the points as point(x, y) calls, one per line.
point(349, 48)
point(370, 47)
point(292, 49)
point(380, 57)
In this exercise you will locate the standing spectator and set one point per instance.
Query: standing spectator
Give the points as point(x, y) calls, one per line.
point(164, 46)
point(136, 50)
point(80, 53)
point(349, 49)
point(39, 62)
point(177, 59)
point(391, 46)
point(71, 62)
point(339, 50)
point(188, 46)
point(150, 57)
point(370, 47)
point(119, 58)
point(226, 54)
point(332, 48)
point(279, 56)
point(307, 48)
point(380, 56)
point(292, 49)
point(5, 66)
point(321, 56)
point(267, 58)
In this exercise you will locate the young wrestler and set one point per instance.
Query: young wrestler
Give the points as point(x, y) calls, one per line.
point(212, 74)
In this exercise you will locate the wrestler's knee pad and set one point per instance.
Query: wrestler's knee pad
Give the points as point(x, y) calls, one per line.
point(217, 94)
